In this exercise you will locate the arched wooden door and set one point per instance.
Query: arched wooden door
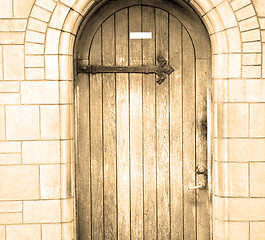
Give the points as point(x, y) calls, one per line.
point(139, 142)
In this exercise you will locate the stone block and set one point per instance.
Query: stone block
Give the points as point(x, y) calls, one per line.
point(234, 39)
point(19, 182)
point(227, 14)
point(13, 62)
point(10, 147)
point(52, 41)
point(220, 149)
point(67, 231)
point(23, 232)
point(51, 231)
point(251, 35)
point(52, 67)
point(10, 218)
point(22, 8)
point(242, 209)
point(41, 14)
point(66, 92)
point(2, 233)
point(220, 90)
point(35, 37)
point(34, 61)
point(66, 43)
point(9, 98)
point(260, 7)
point(263, 60)
point(66, 148)
point(46, 4)
point(22, 122)
point(246, 150)
point(69, 3)
point(220, 63)
point(252, 47)
point(248, 24)
point(34, 73)
point(66, 121)
point(247, 90)
point(40, 152)
point(257, 123)
point(205, 6)
point(66, 181)
point(251, 59)
point(46, 211)
point(235, 62)
point(237, 4)
point(10, 158)
point(12, 206)
point(257, 230)
point(59, 16)
point(72, 22)
point(9, 38)
point(251, 71)
point(37, 25)
point(25, 124)
point(2, 123)
point(34, 48)
point(219, 43)
point(50, 128)
point(83, 6)
point(67, 210)
point(13, 25)
point(257, 188)
point(39, 92)
point(9, 86)
point(50, 181)
point(6, 9)
point(1, 64)
point(238, 115)
point(232, 230)
point(245, 12)
point(66, 68)
point(214, 21)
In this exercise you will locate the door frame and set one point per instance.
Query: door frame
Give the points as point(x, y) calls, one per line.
point(103, 10)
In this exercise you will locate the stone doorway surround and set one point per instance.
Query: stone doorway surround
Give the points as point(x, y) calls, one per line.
point(45, 139)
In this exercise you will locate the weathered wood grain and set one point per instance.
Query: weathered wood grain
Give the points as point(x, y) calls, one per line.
point(123, 144)
point(109, 131)
point(162, 125)
point(149, 128)
point(136, 146)
point(96, 134)
point(176, 107)
point(189, 137)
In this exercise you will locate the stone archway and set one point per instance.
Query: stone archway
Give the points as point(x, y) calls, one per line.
point(228, 32)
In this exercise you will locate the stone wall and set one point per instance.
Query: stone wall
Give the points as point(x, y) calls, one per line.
point(37, 127)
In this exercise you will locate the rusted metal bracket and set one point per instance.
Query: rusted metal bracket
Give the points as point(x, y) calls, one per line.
point(162, 69)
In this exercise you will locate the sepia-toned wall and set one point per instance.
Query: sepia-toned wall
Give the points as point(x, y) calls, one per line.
point(37, 116)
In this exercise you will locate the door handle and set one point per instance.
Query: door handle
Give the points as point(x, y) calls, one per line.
point(201, 185)
point(200, 170)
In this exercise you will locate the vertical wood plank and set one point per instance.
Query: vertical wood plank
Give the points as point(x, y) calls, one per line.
point(175, 60)
point(122, 101)
point(189, 137)
point(83, 187)
point(203, 204)
point(96, 141)
point(136, 158)
point(162, 112)
point(109, 131)
point(149, 127)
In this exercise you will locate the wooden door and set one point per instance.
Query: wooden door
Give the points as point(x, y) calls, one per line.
point(139, 142)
